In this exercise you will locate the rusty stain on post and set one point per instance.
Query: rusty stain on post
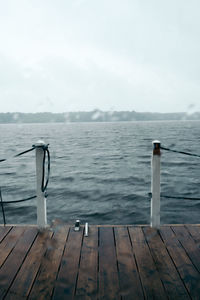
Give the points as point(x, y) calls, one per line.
point(156, 148)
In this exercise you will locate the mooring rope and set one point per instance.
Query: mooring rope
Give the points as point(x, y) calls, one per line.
point(181, 152)
point(24, 152)
point(44, 183)
point(19, 154)
point(8, 202)
point(2, 208)
point(46, 150)
point(21, 200)
point(178, 197)
point(175, 197)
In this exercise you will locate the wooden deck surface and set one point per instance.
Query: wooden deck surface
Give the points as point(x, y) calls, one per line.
point(113, 262)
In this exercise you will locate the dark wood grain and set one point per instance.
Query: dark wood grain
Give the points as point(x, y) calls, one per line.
point(11, 296)
point(185, 267)
point(152, 285)
point(4, 230)
point(26, 275)
point(88, 270)
point(9, 242)
point(67, 276)
point(113, 262)
point(12, 264)
point(108, 272)
point(130, 284)
point(195, 233)
point(188, 244)
point(168, 273)
point(46, 277)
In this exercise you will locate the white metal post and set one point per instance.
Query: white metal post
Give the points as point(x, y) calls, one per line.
point(41, 200)
point(155, 185)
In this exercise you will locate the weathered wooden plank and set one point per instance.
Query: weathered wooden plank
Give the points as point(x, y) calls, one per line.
point(152, 285)
point(168, 273)
point(189, 245)
point(27, 273)
point(186, 269)
point(11, 296)
point(108, 273)
point(195, 233)
point(130, 284)
point(88, 271)
point(9, 242)
point(4, 231)
point(82, 297)
point(67, 276)
point(46, 277)
point(15, 259)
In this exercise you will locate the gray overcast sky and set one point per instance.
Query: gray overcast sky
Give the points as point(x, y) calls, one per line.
point(69, 55)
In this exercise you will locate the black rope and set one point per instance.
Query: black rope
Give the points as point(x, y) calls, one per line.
point(178, 197)
point(181, 152)
point(2, 208)
point(44, 185)
point(21, 200)
point(19, 154)
point(175, 197)
point(2, 160)
point(26, 151)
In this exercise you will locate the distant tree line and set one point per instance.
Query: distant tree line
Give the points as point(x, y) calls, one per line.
point(93, 116)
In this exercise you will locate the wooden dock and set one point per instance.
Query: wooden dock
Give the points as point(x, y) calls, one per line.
point(113, 262)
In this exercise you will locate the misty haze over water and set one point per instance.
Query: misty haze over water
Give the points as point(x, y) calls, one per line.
point(96, 115)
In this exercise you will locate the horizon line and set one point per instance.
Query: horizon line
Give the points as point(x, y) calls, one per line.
point(98, 110)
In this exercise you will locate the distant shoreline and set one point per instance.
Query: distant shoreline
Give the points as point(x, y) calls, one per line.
point(94, 116)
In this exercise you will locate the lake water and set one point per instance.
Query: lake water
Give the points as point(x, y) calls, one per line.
point(101, 172)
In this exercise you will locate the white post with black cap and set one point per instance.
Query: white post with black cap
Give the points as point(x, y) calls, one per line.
point(41, 199)
point(155, 185)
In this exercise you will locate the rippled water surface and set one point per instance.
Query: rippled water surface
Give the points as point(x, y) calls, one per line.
point(101, 172)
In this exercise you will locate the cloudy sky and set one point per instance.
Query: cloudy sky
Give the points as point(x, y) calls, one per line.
point(72, 55)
